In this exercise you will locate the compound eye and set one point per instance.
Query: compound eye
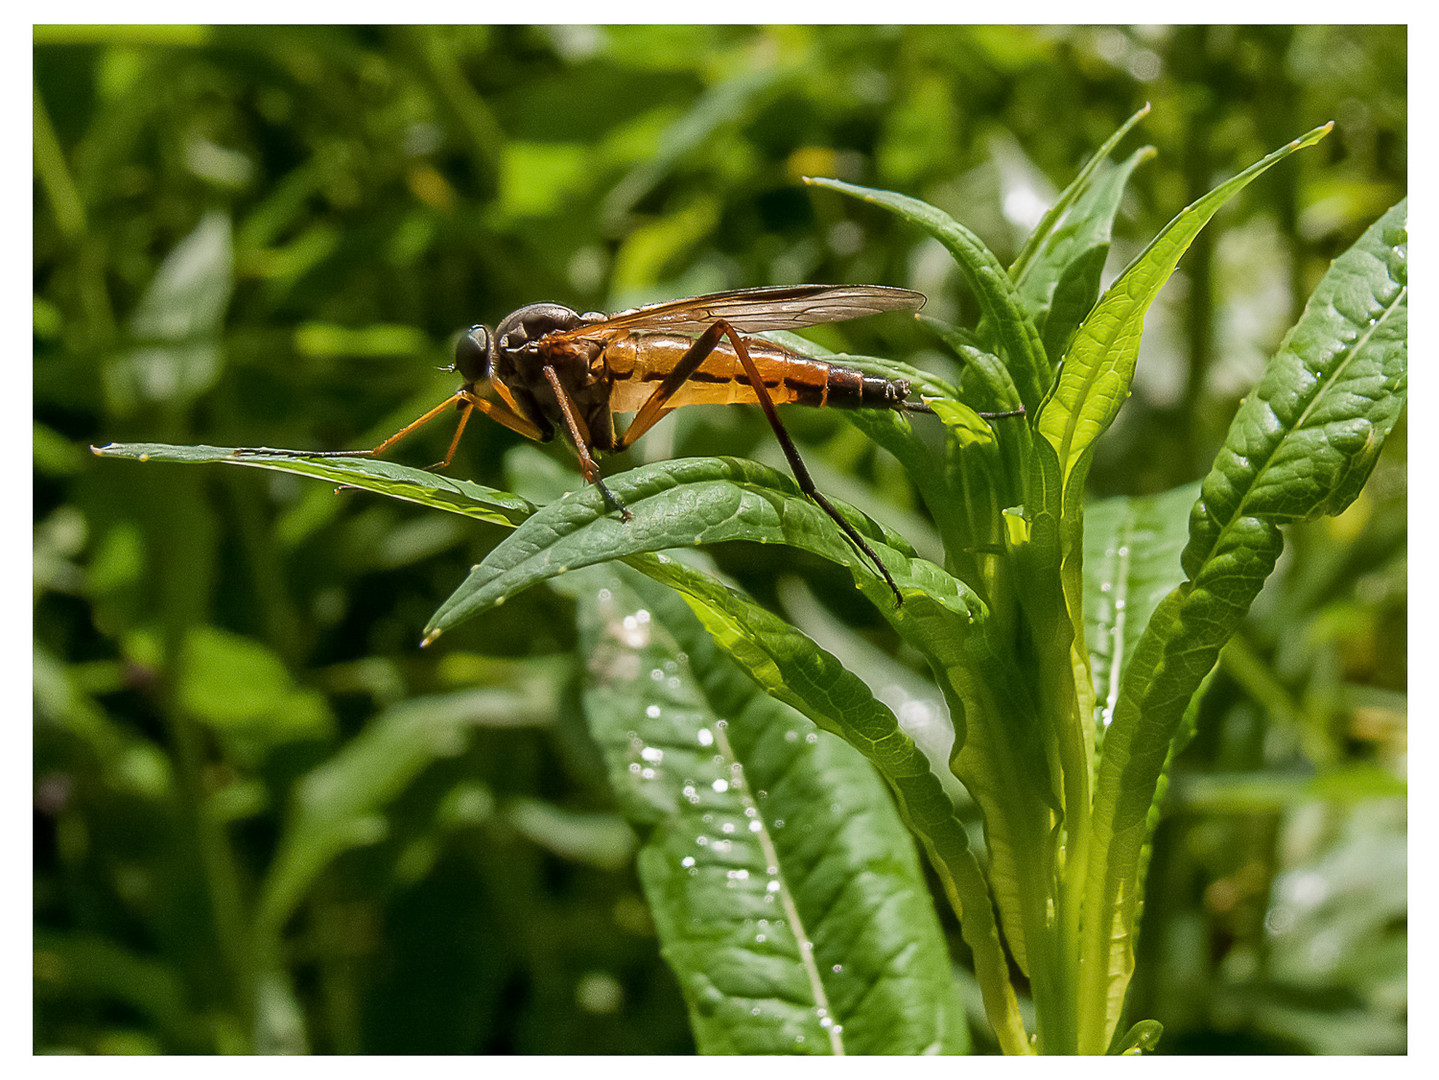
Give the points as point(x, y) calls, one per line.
point(472, 354)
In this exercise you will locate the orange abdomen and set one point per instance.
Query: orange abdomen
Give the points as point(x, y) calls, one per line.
point(637, 364)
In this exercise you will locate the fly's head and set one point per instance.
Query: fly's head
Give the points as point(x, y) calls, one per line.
point(474, 355)
point(511, 359)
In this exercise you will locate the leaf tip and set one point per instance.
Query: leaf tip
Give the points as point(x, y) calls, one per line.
point(430, 638)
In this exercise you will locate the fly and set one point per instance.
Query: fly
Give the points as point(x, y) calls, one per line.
point(546, 368)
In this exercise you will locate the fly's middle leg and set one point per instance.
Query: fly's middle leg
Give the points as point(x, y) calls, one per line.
point(588, 466)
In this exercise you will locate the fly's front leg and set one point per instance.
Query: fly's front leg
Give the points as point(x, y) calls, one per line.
point(588, 466)
point(376, 451)
point(468, 402)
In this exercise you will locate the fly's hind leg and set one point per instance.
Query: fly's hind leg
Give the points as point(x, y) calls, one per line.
point(796, 463)
point(657, 404)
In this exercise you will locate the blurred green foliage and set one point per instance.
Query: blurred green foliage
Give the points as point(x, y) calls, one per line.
point(268, 236)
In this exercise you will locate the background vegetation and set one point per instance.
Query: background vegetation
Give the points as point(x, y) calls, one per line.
point(269, 237)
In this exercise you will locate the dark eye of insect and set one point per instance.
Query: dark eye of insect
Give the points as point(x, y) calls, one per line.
point(472, 354)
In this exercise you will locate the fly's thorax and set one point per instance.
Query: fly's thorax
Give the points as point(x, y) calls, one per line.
point(516, 352)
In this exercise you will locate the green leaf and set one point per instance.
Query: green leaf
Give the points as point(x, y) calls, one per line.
point(1131, 562)
point(71, 967)
point(1058, 271)
point(1094, 379)
point(1306, 440)
point(242, 690)
point(679, 504)
point(1022, 348)
point(1061, 284)
point(1300, 446)
point(1041, 241)
point(792, 668)
point(1273, 791)
point(796, 922)
point(368, 474)
point(980, 366)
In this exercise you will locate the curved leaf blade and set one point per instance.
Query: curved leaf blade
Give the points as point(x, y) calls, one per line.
point(686, 503)
point(1333, 391)
point(1306, 440)
point(1094, 379)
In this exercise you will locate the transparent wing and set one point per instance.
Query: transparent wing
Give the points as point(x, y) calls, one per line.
point(769, 307)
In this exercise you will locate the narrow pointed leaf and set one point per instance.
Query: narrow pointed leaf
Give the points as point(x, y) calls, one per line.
point(1094, 380)
point(368, 474)
point(1023, 350)
point(1044, 234)
point(1061, 284)
point(174, 353)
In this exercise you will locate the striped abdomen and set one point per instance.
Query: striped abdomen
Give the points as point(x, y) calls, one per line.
point(637, 364)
